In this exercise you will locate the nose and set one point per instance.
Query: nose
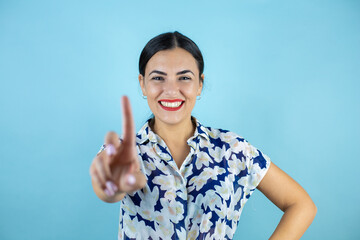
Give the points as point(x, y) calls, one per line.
point(171, 87)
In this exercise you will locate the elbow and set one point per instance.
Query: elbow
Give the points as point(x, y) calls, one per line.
point(305, 207)
point(313, 209)
point(309, 208)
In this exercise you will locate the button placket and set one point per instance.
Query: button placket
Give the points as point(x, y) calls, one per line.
point(193, 146)
point(166, 156)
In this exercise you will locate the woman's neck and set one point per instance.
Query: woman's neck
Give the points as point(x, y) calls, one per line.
point(174, 134)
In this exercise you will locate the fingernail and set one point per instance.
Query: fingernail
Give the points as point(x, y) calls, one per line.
point(112, 186)
point(109, 193)
point(110, 149)
point(131, 179)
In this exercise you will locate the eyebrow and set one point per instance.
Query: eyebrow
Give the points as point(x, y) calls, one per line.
point(178, 73)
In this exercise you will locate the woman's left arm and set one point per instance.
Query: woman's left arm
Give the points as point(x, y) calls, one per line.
point(299, 210)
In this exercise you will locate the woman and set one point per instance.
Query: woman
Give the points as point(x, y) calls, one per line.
point(182, 180)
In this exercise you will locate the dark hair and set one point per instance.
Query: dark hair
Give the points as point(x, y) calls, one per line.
point(167, 41)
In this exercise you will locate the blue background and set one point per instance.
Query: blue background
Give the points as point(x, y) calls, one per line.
point(282, 74)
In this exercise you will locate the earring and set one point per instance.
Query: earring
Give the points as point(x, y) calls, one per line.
point(198, 97)
point(144, 97)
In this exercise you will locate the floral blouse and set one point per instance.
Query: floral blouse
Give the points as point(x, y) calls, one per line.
point(201, 200)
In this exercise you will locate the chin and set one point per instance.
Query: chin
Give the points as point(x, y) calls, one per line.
point(171, 120)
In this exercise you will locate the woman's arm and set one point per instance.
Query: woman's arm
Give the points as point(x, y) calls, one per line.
point(299, 210)
point(115, 171)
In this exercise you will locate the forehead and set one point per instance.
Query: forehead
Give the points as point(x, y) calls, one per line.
point(172, 60)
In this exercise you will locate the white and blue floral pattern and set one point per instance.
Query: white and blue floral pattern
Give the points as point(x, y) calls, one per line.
point(201, 200)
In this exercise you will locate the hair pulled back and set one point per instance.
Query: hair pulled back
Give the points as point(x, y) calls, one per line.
point(167, 41)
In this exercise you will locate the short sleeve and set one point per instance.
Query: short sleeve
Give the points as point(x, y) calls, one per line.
point(258, 164)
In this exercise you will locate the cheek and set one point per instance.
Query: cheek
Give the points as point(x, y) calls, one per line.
point(191, 91)
point(153, 93)
point(153, 90)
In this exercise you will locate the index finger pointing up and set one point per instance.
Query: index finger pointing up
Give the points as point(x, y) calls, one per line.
point(128, 122)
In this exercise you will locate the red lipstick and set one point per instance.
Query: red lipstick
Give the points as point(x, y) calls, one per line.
point(170, 101)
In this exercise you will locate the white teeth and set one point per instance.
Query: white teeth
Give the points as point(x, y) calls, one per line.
point(170, 104)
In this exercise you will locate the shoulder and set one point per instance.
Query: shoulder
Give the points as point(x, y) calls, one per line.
point(224, 136)
point(229, 140)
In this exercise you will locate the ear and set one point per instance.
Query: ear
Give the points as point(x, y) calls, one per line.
point(142, 84)
point(202, 77)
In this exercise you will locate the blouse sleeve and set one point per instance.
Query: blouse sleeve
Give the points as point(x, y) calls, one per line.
point(257, 164)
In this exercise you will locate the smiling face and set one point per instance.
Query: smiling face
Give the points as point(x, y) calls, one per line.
point(171, 84)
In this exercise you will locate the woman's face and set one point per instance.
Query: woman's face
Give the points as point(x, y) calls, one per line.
point(171, 84)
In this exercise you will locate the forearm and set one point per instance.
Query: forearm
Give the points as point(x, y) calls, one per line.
point(296, 219)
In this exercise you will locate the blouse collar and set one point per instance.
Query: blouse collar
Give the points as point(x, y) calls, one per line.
point(146, 134)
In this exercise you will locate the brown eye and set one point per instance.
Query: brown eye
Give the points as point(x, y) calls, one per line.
point(185, 78)
point(157, 78)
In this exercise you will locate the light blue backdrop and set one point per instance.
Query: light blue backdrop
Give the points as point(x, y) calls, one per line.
point(282, 74)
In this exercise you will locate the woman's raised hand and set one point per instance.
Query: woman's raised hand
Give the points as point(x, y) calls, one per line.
point(116, 171)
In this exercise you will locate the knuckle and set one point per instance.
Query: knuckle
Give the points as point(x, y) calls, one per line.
point(96, 179)
point(99, 181)
point(91, 171)
point(99, 171)
point(107, 171)
point(110, 136)
point(99, 162)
